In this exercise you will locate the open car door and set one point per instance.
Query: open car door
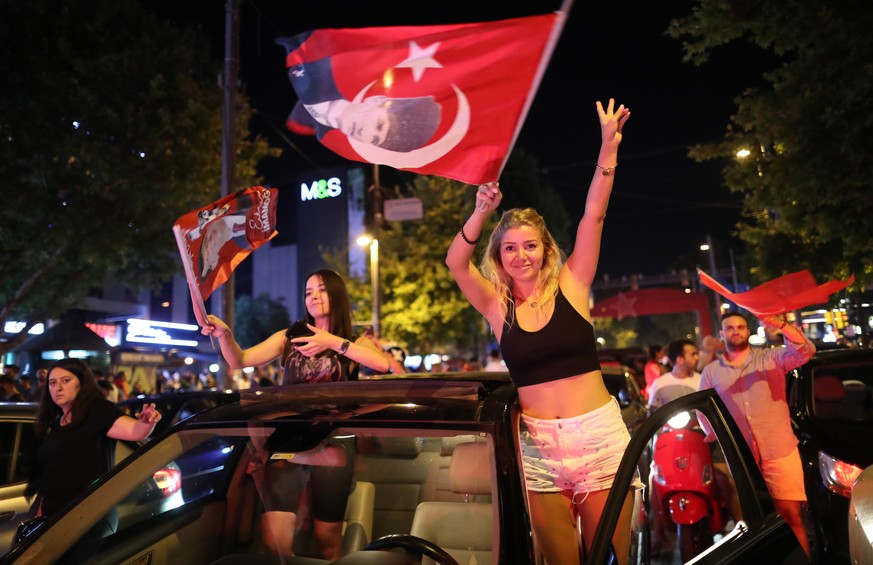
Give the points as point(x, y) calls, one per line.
point(747, 529)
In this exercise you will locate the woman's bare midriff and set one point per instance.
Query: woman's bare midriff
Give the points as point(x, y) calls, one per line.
point(564, 398)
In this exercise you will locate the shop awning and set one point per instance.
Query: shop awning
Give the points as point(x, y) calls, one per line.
point(67, 335)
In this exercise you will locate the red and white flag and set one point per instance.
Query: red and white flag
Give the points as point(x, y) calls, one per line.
point(780, 295)
point(216, 238)
point(445, 100)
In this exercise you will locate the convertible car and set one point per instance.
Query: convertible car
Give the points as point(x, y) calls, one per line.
point(436, 476)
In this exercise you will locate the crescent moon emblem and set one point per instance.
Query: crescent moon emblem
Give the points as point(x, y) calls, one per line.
point(423, 155)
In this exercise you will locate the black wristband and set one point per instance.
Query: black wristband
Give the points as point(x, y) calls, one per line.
point(464, 236)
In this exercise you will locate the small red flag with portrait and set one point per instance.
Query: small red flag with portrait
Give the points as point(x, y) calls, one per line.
point(445, 100)
point(216, 238)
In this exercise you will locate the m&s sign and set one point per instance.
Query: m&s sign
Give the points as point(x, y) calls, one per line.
point(320, 189)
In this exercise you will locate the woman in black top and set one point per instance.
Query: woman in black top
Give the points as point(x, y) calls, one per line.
point(77, 425)
point(537, 305)
point(330, 354)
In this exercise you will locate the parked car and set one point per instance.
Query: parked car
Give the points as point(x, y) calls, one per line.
point(18, 446)
point(621, 383)
point(176, 406)
point(437, 473)
point(831, 403)
point(861, 518)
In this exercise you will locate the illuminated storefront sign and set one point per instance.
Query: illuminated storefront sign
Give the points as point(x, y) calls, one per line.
point(160, 333)
point(15, 327)
point(109, 333)
point(320, 189)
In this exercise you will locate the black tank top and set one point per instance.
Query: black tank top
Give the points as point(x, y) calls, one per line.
point(564, 347)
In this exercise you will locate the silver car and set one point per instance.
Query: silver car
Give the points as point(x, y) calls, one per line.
point(861, 518)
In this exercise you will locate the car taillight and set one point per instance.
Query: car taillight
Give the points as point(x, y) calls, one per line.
point(837, 475)
point(168, 480)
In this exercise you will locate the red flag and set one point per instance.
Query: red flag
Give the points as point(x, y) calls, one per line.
point(216, 238)
point(780, 295)
point(444, 100)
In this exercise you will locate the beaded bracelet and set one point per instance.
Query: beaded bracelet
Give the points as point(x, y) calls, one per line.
point(465, 238)
point(606, 170)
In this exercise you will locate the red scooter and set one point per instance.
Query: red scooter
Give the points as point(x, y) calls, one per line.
point(684, 491)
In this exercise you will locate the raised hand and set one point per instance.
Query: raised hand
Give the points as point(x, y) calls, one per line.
point(612, 121)
point(148, 414)
point(488, 197)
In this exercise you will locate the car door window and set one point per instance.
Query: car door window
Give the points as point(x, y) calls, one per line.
point(708, 513)
point(843, 392)
point(17, 445)
point(189, 478)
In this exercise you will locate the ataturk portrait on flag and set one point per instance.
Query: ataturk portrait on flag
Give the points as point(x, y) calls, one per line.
point(445, 100)
point(218, 236)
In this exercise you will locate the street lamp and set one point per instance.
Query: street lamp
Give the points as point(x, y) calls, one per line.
point(364, 241)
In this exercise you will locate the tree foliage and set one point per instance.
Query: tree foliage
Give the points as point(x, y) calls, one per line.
point(256, 318)
point(110, 129)
point(808, 199)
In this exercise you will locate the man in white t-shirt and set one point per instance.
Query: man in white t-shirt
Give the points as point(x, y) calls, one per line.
point(683, 379)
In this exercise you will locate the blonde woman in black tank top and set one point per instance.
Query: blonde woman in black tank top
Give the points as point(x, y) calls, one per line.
point(524, 289)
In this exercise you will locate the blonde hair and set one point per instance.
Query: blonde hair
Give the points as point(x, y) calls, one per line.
point(492, 266)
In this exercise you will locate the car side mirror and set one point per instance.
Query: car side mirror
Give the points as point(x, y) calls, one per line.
point(27, 528)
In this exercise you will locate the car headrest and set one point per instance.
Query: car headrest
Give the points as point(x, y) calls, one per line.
point(400, 446)
point(470, 469)
point(829, 388)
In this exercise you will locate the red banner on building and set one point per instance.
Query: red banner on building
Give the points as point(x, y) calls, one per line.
point(445, 100)
point(216, 238)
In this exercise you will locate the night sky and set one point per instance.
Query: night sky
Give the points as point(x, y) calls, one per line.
point(663, 205)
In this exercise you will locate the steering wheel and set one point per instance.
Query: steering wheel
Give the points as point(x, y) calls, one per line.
point(414, 544)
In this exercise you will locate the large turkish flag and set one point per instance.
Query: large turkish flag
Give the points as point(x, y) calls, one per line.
point(452, 97)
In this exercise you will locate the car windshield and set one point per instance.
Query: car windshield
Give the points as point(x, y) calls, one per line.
point(843, 392)
point(434, 484)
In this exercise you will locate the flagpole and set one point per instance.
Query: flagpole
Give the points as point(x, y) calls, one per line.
point(562, 14)
point(225, 295)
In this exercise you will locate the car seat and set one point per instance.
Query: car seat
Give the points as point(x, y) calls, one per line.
point(463, 529)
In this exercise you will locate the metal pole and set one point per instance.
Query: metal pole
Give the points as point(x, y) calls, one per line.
point(225, 295)
point(374, 273)
point(374, 252)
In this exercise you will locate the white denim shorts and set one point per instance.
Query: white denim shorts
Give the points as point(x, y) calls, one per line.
point(580, 454)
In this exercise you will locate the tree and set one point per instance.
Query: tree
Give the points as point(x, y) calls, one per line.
point(110, 129)
point(257, 318)
point(808, 199)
